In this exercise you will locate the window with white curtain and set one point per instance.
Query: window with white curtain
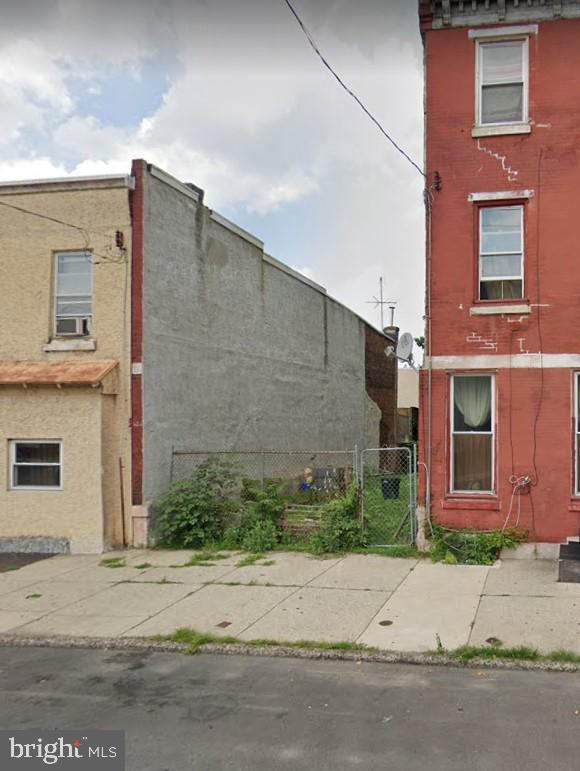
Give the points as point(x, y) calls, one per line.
point(501, 252)
point(502, 75)
point(472, 433)
point(577, 432)
point(74, 294)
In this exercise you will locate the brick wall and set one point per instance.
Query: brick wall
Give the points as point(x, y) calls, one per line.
point(534, 404)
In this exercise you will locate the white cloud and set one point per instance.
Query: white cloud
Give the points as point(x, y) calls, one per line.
point(251, 115)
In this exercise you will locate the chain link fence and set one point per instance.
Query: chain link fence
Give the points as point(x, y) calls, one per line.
point(318, 475)
point(388, 495)
point(386, 479)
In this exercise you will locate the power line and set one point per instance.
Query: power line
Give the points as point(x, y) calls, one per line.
point(367, 112)
point(83, 231)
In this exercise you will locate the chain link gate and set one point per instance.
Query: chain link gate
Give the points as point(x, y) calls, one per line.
point(388, 484)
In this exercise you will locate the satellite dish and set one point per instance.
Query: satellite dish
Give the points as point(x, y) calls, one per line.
point(405, 347)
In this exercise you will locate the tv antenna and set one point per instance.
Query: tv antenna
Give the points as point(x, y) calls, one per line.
point(380, 302)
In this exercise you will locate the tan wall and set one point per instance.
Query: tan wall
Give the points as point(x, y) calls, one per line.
point(72, 415)
point(27, 247)
point(408, 392)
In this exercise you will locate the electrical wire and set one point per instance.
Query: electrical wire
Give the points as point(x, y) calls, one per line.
point(367, 112)
point(83, 231)
point(540, 339)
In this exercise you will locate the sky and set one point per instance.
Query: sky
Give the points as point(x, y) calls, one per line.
point(229, 95)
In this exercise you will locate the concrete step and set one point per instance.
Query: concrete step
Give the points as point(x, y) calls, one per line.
point(569, 571)
point(570, 551)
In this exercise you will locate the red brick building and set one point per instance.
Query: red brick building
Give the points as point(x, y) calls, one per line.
point(499, 427)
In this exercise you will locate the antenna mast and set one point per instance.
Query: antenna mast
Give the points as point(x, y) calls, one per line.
point(379, 302)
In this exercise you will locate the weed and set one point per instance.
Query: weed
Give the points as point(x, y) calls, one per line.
point(249, 560)
point(471, 547)
point(203, 559)
point(468, 652)
point(113, 562)
point(195, 640)
point(143, 566)
point(33, 596)
point(267, 563)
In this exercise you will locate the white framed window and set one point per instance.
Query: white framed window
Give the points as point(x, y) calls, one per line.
point(74, 294)
point(472, 433)
point(577, 432)
point(36, 464)
point(501, 252)
point(502, 82)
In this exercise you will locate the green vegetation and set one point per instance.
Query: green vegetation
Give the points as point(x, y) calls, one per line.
point(33, 596)
point(217, 509)
point(194, 640)
point(471, 547)
point(113, 562)
point(249, 560)
point(143, 566)
point(340, 527)
point(194, 512)
point(205, 558)
point(467, 653)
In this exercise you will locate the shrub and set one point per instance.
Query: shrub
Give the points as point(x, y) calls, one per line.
point(194, 512)
point(256, 528)
point(472, 547)
point(340, 528)
point(262, 537)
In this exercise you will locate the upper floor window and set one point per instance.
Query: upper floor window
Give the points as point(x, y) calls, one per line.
point(502, 82)
point(74, 293)
point(501, 252)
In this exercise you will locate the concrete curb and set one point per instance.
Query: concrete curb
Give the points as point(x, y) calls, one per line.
point(240, 649)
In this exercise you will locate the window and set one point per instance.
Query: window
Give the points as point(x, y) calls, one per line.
point(36, 465)
point(502, 69)
point(472, 433)
point(577, 432)
point(501, 252)
point(74, 293)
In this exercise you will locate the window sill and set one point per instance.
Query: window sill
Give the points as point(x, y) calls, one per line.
point(495, 131)
point(500, 309)
point(472, 503)
point(58, 344)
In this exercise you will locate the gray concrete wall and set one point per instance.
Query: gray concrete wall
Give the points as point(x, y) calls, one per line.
point(238, 353)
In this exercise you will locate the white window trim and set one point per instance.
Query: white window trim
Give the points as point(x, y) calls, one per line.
point(58, 335)
point(501, 33)
point(43, 488)
point(478, 85)
point(452, 489)
point(522, 243)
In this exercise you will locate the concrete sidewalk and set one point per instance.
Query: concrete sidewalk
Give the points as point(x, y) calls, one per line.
point(391, 604)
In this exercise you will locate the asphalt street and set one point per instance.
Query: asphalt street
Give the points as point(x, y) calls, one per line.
point(208, 713)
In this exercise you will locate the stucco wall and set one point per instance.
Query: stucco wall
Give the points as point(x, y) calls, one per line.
point(72, 415)
point(238, 354)
point(27, 269)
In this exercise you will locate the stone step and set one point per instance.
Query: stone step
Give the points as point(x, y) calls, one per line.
point(570, 551)
point(569, 571)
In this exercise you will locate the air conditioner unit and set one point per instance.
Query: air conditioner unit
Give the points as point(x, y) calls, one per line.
point(73, 326)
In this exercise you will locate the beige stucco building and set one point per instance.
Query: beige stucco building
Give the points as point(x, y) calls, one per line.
point(64, 364)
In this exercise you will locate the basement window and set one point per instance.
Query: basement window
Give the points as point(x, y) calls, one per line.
point(502, 82)
point(74, 294)
point(472, 433)
point(501, 252)
point(36, 465)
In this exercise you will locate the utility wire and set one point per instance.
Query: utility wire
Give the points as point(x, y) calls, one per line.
point(367, 112)
point(83, 231)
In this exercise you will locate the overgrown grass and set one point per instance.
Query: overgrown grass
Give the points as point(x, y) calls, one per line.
point(472, 547)
point(113, 562)
point(467, 653)
point(383, 515)
point(194, 640)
